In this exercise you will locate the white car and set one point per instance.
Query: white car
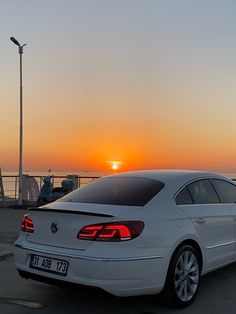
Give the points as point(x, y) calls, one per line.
point(133, 233)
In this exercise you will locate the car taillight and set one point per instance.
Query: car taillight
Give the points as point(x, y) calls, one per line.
point(27, 224)
point(115, 231)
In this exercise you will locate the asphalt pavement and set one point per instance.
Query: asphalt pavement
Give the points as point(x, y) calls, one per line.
point(20, 296)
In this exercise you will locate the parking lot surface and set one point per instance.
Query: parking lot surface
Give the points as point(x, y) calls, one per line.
point(17, 295)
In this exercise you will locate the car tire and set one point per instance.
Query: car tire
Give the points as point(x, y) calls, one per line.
point(183, 277)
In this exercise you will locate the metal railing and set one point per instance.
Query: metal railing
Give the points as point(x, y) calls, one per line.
point(11, 183)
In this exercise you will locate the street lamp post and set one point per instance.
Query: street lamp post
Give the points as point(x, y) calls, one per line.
point(21, 121)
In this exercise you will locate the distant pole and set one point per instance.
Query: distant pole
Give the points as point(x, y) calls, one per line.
point(20, 202)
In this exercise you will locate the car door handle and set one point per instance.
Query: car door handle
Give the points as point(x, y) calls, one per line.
point(200, 221)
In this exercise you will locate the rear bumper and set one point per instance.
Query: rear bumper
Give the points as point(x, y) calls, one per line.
point(131, 276)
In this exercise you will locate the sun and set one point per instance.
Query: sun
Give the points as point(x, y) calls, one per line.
point(114, 166)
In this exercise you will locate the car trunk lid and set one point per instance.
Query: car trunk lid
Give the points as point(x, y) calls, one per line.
point(58, 225)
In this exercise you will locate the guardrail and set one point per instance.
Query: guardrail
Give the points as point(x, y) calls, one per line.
point(11, 183)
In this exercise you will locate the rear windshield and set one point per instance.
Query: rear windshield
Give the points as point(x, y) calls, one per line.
point(116, 191)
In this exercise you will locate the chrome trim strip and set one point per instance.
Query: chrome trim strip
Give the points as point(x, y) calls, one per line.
point(220, 245)
point(87, 258)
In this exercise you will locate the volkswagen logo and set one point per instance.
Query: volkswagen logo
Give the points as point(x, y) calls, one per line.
point(54, 227)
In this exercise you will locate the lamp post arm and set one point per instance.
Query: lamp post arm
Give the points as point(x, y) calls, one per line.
point(21, 48)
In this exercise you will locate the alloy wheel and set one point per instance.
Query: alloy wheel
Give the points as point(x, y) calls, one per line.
point(186, 276)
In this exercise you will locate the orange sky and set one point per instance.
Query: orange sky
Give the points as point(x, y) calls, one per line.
point(144, 84)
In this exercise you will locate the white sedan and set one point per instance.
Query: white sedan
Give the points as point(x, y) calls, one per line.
point(133, 233)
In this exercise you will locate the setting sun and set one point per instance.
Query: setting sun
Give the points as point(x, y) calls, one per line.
point(114, 166)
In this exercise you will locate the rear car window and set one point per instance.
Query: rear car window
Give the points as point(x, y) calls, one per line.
point(116, 191)
point(226, 191)
point(183, 197)
point(203, 192)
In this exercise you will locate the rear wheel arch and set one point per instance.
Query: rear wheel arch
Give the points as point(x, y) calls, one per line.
point(195, 245)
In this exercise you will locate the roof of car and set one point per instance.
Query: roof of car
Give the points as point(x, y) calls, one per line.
point(168, 176)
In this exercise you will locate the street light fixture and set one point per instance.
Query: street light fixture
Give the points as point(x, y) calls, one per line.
point(21, 120)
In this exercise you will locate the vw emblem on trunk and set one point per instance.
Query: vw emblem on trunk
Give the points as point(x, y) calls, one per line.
point(54, 227)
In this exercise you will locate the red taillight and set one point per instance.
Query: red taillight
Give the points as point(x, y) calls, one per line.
point(27, 224)
point(116, 231)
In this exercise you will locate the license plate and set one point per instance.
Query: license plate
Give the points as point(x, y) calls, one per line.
point(51, 265)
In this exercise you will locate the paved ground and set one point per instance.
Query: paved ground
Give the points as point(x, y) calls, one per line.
point(217, 293)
